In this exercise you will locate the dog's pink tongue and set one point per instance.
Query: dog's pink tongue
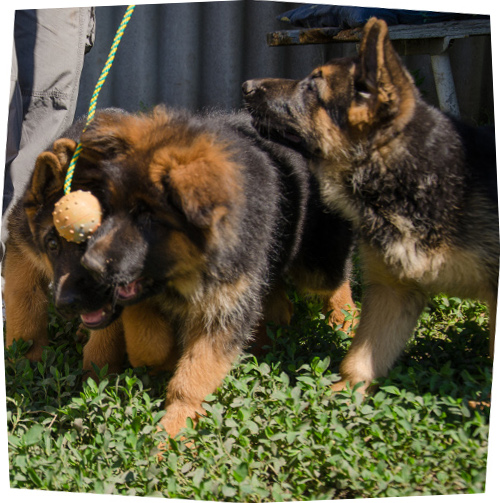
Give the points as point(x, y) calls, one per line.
point(128, 291)
point(93, 318)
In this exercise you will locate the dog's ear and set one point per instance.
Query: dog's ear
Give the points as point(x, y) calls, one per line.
point(50, 169)
point(46, 181)
point(203, 196)
point(384, 89)
point(64, 148)
point(47, 178)
point(202, 184)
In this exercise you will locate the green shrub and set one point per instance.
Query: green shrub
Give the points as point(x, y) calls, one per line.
point(274, 430)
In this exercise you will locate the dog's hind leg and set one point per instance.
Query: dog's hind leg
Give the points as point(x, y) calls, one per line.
point(278, 310)
point(26, 301)
point(389, 313)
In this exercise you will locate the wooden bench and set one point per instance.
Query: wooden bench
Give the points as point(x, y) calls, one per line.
point(433, 39)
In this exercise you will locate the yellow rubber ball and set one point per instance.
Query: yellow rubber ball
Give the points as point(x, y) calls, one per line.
point(77, 215)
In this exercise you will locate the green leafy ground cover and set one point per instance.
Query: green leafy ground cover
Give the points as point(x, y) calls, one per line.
point(273, 431)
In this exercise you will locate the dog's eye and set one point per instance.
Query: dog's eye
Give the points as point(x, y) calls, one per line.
point(144, 220)
point(312, 81)
point(52, 244)
point(362, 91)
point(312, 85)
point(141, 208)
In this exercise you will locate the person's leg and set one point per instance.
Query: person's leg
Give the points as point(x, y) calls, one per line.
point(50, 45)
point(15, 117)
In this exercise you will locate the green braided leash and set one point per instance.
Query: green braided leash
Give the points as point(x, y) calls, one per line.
point(97, 90)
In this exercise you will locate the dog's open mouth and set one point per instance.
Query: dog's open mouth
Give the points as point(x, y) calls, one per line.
point(123, 296)
point(99, 318)
point(280, 133)
point(130, 292)
point(290, 136)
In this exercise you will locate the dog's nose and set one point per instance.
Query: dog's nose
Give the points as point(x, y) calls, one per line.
point(68, 295)
point(95, 263)
point(67, 302)
point(249, 87)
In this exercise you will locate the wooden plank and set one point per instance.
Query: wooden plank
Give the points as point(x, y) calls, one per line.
point(450, 29)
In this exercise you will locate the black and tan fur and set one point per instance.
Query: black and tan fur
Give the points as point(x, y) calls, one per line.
point(203, 223)
point(203, 220)
point(39, 264)
point(419, 187)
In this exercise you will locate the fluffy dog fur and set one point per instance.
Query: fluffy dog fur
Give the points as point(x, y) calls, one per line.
point(202, 220)
point(39, 264)
point(203, 223)
point(419, 187)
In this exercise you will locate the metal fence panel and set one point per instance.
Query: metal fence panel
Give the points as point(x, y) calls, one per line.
point(196, 55)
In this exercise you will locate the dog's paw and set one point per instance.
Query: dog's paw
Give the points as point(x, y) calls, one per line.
point(176, 417)
point(172, 428)
point(339, 386)
point(344, 384)
point(35, 353)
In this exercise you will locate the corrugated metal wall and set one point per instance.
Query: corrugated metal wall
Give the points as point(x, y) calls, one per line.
point(196, 55)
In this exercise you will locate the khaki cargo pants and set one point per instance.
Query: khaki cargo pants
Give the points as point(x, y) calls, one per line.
point(49, 48)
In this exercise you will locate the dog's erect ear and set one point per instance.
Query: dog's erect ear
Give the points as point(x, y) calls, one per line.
point(385, 90)
point(48, 177)
point(46, 181)
point(64, 148)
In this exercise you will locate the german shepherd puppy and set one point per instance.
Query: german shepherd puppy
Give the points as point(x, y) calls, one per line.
point(419, 187)
point(203, 222)
point(39, 262)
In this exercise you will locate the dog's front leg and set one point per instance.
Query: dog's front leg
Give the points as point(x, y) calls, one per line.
point(389, 313)
point(149, 337)
point(105, 347)
point(339, 300)
point(205, 361)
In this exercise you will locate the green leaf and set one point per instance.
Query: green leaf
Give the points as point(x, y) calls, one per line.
point(33, 435)
point(34, 477)
point(198, 476)
point(241, 472)
point(391, 390)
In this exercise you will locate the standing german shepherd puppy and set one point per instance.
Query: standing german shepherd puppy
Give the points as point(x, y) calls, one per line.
point(419, 186)
point(202, 218)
